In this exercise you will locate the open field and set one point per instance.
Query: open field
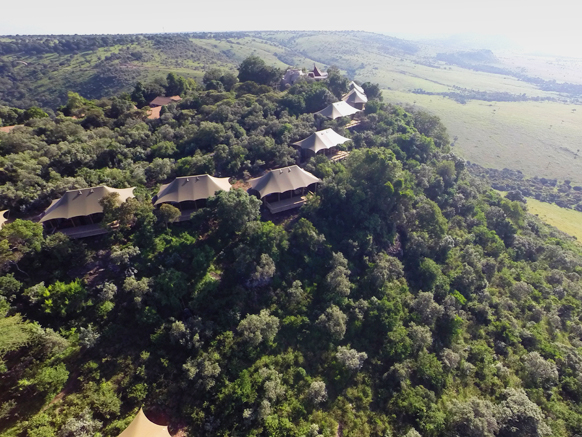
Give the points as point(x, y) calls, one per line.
point(538, 138)
point(566, 220)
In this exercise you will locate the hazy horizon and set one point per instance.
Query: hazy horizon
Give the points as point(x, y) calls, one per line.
point(533, 27)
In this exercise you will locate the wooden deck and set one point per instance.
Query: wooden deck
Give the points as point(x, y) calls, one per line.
point(83, 231)
point(286, 204)
point(352, 124)
point(339, 156)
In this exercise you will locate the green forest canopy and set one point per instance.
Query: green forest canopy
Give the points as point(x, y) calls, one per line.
point(405, 298)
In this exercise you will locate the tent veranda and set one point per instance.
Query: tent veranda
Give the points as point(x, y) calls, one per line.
point(141, 426)
point(337, 110)
point(191, 188)
point(82, 202)
point(321, 140)
point(281, 180)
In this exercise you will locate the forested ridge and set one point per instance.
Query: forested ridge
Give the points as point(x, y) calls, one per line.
point(405, 298)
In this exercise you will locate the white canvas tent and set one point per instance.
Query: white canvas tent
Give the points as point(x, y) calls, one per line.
point(141, 426)
point(321, 140)
point(355, 97)
point(3, 218)
point(354, 86)
point(283, 179)
point(191, 188)
point(82, 202)
point(338, 109)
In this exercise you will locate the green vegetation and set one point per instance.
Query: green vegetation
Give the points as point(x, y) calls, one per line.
point(405, 298)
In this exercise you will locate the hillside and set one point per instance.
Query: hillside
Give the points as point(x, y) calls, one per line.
point(404, 298)
point(503, 109)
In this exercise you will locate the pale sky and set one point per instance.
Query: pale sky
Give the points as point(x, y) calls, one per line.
point(545, 26)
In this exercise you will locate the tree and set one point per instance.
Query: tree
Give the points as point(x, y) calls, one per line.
point(14, 333)
point(234, 209)
point(254, 69)
point(256, 328)
point(351, 359)
point(519, 416)
point(18, 239)
point(473, 418)
point(168, 213)
point(337, 279)
point(317, 392)
point(333, 320)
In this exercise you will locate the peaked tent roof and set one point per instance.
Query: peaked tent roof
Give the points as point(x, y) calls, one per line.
point(358, 88)
point(354, 96)
point(82, 202)
point(191, 188)
point(3, 218)
point(338, 109)
point(283, 179)
point(141, 426)
point(323, 139)
point(162, 101)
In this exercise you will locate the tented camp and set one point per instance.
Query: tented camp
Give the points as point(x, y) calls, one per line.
point(141, 426)
point(321, 140)
point(337, 110)
point(78, 212)
point(283, 189)
point(317, 74)
point(354, 86)
point(355, 99)
point(185, 192)
point(3, 218)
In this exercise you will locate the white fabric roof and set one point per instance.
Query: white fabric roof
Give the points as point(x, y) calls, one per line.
point(142, 427)
point(354, 96)
point(355, 86)
point(283, 179)
point(82, 202)
point(191, 188)
point(338, 109)
point(2, 218)
point(323, 139)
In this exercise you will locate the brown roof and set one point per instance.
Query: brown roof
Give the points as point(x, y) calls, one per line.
point(283, 179)
point(8, 129)
point(316, 71)
point(191, 188)
point(162, 101)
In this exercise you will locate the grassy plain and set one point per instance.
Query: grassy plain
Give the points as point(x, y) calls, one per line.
point(538, 138)
point(566, 220)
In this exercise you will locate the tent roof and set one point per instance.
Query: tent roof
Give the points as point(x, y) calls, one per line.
point(354, 86)
point(82, 202)
point(141, 426)
point(338, 109)
point(354, 96)
point(191, 188)
point(2, 218)
point(283, 179)
point(323, 139)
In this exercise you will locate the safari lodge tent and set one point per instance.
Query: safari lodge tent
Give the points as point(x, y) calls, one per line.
point(356, 99)
point(78, 213)
point(337, 110)
point(141, 426)
point(283, 189)
point(3, 218)
point(321, 140)
point(186, 192)
point(354, 86)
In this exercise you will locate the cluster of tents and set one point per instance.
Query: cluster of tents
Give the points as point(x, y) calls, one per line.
point(81, 208)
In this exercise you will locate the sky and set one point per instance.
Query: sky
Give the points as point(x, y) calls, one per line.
point(537, 26)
